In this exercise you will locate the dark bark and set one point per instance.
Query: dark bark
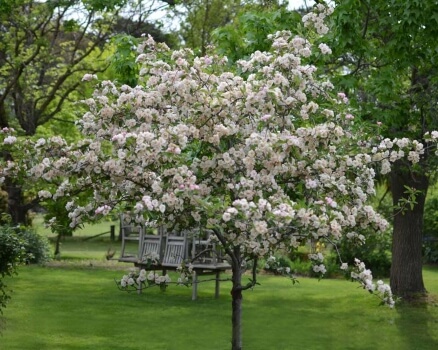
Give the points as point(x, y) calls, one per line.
point(406, 270)
point(16, 208)
point(4, 123)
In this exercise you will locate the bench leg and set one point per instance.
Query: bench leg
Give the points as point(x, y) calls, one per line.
point(194, 285)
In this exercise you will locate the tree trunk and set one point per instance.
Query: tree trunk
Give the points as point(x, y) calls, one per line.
point(236, 317)
point(406, 270)
point(58, 246)
point(16, 208)
point(4, 123)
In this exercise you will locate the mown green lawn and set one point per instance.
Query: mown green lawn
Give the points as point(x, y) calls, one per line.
point(86, 231)
point(66, 308)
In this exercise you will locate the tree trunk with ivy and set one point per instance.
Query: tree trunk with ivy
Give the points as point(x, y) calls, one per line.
point(406, 271)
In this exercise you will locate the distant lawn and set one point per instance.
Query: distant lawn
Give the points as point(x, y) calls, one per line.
point(87, 230)
point(80, 308)
point(88, 244)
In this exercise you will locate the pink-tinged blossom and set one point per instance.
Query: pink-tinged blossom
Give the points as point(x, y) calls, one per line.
point(310, 184)
point(343, 98)
point(331, 202)
point(325, 49)
point(43, 194)
point(89, 77)
point(7, 130)
point(208, 60)
point(9, 140)
point(174, 149)
point(103, 210)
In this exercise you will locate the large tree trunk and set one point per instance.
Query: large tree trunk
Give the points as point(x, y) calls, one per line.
point(407, 261)
point(236, 317)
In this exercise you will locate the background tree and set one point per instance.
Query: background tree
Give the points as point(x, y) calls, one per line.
point(45, 49)
point(250, 29)
point(386, 55)
point(201, 17)
point(197, 19)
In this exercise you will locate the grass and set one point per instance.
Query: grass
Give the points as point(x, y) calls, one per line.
point(82, 247)
point(71, 308)
point(73, 304)
point(86, 231)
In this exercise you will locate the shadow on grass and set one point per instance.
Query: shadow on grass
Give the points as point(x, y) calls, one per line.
point(338, 315)
point(417, 318)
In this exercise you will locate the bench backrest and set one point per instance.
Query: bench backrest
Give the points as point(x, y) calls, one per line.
point(131, 240)
point(175, 251)
point(151, 247)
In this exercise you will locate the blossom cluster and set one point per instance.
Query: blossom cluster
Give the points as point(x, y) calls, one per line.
point(275, 265)
point(364, 276)
point(142, 279)
point(316, 18)
point(185, 270)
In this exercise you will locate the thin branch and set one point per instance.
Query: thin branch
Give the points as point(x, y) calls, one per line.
point(253, 281)
point(383, 197)
point(225, 246)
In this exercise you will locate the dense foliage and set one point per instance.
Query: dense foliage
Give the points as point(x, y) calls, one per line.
point(12, 254)
point(36, 246)
point(430, 245)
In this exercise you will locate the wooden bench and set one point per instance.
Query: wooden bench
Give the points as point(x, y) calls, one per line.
point(172, 250)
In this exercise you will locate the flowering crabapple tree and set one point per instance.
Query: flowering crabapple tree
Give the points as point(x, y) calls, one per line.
point(267, 157)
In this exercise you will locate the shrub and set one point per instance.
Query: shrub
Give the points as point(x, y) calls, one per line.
point(37, 247)
point(301, 267)
point(278, 265)
point(431, 216)
point(430, 232)
point(12, 254)
point(430, 251)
